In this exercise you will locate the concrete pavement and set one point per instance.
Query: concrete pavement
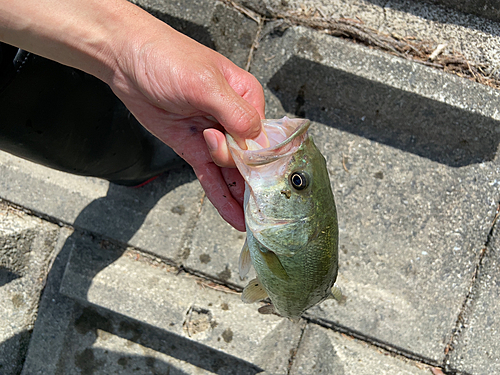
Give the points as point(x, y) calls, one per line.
point(101, 279)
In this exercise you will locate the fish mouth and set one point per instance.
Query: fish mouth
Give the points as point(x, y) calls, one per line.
point(285, 136)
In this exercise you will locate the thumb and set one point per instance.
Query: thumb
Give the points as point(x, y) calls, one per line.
point(240, 113)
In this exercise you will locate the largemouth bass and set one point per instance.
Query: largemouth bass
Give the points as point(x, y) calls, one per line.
point(291, 220)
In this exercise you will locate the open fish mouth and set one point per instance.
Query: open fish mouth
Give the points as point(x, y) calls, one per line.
point(285, 137)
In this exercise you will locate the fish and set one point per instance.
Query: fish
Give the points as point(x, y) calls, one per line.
point(290, 218)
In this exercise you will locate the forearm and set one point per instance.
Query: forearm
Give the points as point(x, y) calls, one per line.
point(85, 34)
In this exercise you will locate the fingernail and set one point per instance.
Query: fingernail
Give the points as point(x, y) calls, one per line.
point(262, 139)
point(211, 140)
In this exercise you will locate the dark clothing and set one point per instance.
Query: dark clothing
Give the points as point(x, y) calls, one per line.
point(69, 120)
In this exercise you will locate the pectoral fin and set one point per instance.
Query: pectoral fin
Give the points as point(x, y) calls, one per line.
point(245, 262)
point(253, 292)
point(274, 264)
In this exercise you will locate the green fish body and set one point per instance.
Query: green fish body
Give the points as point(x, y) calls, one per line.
point(291, 220)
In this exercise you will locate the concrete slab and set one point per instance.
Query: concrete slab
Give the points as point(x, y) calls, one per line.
point(177, 307)
point(416, 190)
point(215, 248)
point(27, 246)
point(154, 217)
point(323, 351)
point(476, 349)
point(211, 23)
point(54, 316)
point(475, 38)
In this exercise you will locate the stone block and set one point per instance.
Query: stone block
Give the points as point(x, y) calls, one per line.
point(27, 246)
point(192, 312)
point(411, 154)
point(476, 348)
point(323, 351)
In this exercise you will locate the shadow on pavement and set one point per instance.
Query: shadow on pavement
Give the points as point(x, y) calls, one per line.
point(442, 11)
point(94, 337)
point(397, 118)
point(7, 275)
point(13, 351)
point(101, 324)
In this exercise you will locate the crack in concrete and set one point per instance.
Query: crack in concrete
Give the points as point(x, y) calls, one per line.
point(469, 298)
point(395, 350)
point(293, 354)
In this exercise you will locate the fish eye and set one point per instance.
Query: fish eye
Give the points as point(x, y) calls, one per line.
point(299, 180)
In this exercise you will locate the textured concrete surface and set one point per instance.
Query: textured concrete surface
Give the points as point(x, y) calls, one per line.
point(485, 8)
point(476, 38)
point(325, 352)
point(27, 246)
point(476, 349)
point(146, 280)
point(413, 215)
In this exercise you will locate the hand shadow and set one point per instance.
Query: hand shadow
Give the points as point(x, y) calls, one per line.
point(114, 219)
point(102, 230)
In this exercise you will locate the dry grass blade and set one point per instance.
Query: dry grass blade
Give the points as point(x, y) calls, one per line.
point(247, 12)
point(215, 286)
point(424, 52)
point(343, 26)
point(440, 48)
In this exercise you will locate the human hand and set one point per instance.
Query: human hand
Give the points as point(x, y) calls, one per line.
point(185, 93)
